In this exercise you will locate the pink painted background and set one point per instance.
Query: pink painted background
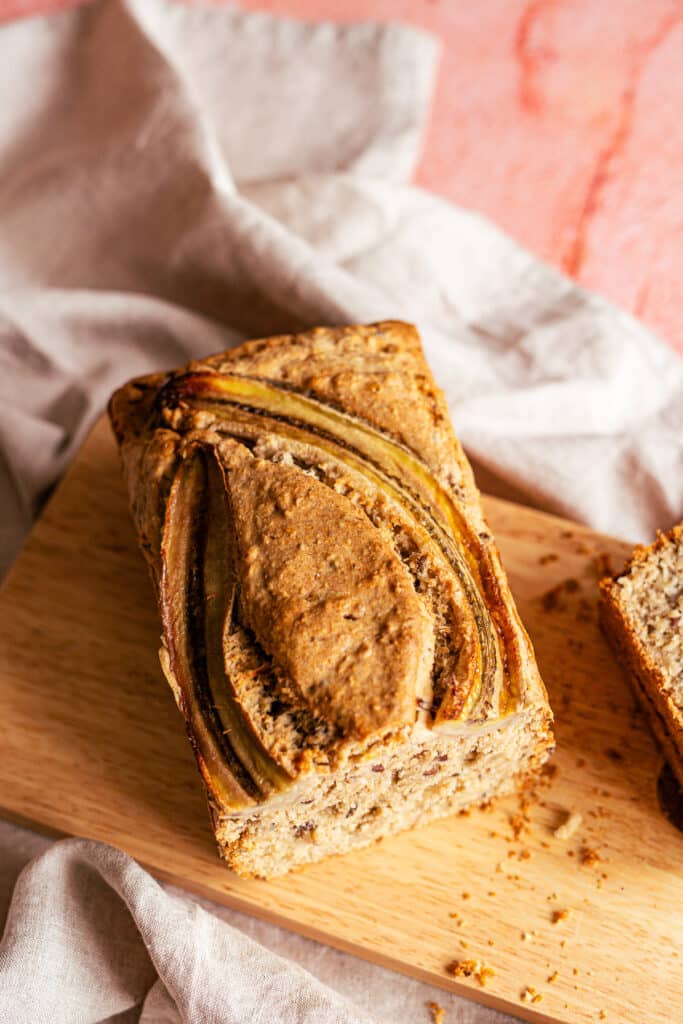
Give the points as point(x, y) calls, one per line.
point(561, 120)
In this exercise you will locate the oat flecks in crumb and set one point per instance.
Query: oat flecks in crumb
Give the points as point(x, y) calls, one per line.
point(569, 826)
point(437, 1012)
point(590, 857)
point(559, 915)
point(530, 995)
point(471, 969)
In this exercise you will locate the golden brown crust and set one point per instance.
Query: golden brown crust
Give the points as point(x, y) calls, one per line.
point(376, 371)
point(638, 658)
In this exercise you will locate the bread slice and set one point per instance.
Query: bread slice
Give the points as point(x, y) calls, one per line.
point(642, 615)
point(338, 630)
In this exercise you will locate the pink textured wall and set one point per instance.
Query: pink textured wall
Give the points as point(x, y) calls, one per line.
point(561, 120)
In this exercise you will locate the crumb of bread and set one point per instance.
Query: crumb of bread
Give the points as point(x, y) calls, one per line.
point(438, 1014)
point(530, 995)
point(471, 969)
point(484, 974)
point(590, 857)
point(569, 826)
point(559, 915)
point(552, 977)
point(551, 599)
point(603, 565)
point(517, 824)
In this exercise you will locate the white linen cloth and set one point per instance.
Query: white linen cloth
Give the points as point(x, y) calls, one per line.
point(91, 937)
point(175, 179)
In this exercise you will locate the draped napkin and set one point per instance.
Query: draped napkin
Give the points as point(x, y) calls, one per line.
point(173, 180)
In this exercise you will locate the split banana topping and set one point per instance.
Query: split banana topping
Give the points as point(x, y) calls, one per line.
point(200, 588)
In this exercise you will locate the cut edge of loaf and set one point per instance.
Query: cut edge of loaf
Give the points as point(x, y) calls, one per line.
point(639, 659)
point(395, 787)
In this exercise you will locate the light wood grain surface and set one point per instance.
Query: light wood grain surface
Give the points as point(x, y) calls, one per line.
point(92, 745)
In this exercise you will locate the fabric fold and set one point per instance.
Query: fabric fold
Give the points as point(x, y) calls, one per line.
point(90, 935)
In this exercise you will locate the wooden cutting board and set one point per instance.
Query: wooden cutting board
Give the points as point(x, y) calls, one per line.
point(92, 745)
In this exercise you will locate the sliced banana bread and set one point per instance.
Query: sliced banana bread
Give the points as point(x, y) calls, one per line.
point(642, 614)
point(338, 630)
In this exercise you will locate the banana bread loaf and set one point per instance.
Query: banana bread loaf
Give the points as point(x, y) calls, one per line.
point(338, 630)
